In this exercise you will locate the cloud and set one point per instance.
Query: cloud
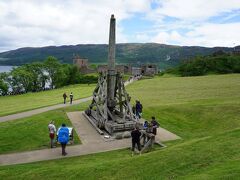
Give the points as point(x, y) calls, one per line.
point(194, 9)
point(208, 34)
point(198, 22)
point(41, 23)
point(37, 23)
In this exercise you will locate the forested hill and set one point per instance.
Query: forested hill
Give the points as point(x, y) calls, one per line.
point(132, 53)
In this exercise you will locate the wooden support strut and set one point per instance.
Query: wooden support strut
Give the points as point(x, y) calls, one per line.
point(110, 107)
point(150, 142)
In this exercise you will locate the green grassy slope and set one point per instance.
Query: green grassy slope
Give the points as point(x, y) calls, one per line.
point(204, 111)
point(97, 53)
point(207, 158)
point(32, 133)
point(204, 104)
point(19, 103)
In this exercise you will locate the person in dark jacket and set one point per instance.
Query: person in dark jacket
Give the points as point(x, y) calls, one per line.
point(138, 109)
point(134, 110)
point(136, 139)
point(63, 138)
point(145, 127)
point(155, 125)
point(71, 97)
point(64, 98)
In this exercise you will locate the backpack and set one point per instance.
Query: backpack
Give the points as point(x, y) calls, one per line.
point(63, 135)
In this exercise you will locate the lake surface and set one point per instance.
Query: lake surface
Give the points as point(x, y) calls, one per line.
point(5, 68)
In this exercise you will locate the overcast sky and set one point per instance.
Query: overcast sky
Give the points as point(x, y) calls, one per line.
point(35, 23)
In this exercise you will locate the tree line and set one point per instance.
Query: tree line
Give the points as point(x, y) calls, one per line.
point(217, 63)
point(39, 76)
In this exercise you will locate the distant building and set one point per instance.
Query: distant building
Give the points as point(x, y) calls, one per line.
point(122, 69)
point(236, 50)
point(82, 65)
point(102, 68)
point(145, 69)
point(149, 69)
point(136, 71)
point(218, 53)
point(119, 68)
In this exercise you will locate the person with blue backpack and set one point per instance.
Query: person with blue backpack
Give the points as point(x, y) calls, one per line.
point(63, 138)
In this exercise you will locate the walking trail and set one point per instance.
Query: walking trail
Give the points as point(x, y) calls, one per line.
point(40, 110)
point(92, 142)
point(48, 108)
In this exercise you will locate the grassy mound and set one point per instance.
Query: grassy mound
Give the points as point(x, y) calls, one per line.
point(32, 133)
point(204, 111)
point(29, 101)
point(213, 157)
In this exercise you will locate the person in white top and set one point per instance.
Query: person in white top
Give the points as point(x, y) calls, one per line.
point(52, 131)
point(71, 97)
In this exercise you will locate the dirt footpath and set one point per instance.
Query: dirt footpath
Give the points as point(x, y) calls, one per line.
point(92, 143)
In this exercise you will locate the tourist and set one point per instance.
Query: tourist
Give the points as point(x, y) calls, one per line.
point(139, 109)
point(149, 128)
point(134, 110)
point(155, 125)
point(63, 137)
point(136, 139)
point(52, 131)
point(145, 128)
point(64, 98)
point(71, 97)
point(145, 125)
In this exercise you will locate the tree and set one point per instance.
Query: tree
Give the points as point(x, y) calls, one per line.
point(52, 67)
point(21, 79)
point(3, 84)
point(39, 77)
point(217, 63)
point(73, 74)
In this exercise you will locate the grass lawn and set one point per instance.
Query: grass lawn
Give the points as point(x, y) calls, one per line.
point(215, 157)
point(19, 103)
point(204, 111)
point(191, 106)
point(32, 133)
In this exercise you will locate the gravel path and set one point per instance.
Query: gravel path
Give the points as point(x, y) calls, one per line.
point(48, 108)
point(40, 110)
point(92, 143)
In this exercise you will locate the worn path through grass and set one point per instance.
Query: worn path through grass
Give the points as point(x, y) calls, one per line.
point(31, 133)
point(29, 101)
point(204, 111)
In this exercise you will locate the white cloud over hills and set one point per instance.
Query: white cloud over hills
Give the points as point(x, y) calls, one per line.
point(66, 22)
point(198, 22)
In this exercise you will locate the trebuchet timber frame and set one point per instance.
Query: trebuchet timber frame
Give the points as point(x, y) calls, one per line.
point(110, 109)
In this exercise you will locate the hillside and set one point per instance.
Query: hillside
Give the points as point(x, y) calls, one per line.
point(211, 64)
point(203, 110)
point(132, 53)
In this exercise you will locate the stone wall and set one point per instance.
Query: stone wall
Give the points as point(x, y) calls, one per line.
point(82, 65)
point(149, 69)
point(119, 68)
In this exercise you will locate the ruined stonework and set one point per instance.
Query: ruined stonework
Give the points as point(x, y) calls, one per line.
point(136, 71)
point(149, 69)
point(82, 65)
point(124, 69)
